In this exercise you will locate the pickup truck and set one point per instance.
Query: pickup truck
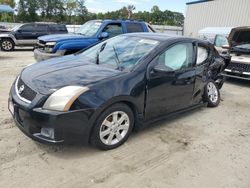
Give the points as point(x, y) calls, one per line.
point(88, 34)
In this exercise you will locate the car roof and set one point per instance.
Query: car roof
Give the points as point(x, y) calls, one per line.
point(119, 20)
point(162, 37)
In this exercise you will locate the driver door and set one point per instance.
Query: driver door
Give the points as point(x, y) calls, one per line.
point(26, 34)
point(171, 79)
point(113, 29)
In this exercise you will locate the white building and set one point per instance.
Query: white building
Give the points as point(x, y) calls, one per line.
point(215, 13)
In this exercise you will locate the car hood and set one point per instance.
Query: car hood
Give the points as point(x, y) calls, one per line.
point(238, 36)
point(61, 37)
point(47, 76)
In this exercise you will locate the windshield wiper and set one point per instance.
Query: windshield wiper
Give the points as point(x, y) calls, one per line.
point(116, 58)
point(98, 53)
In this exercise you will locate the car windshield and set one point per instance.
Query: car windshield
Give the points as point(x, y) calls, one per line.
point(121, 52)
point(89, 29)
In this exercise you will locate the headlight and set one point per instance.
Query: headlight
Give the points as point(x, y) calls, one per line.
point(50, 43)
point(49, 46)
point(62, 99)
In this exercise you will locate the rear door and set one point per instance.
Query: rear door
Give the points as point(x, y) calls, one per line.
point(57, 29)
point(41, 29)
point(204, 55)
point(134, 27)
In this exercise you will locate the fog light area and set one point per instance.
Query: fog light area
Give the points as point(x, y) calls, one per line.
point(48, 132)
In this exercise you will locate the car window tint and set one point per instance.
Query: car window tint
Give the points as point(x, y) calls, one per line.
point(202, 55)
point(55, 28)
point(134, 27)
point(113, 29)
point(41, 28)
point(220, 40)
point(178, 57)
point(27, 28)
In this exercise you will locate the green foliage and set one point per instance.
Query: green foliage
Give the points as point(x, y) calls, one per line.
point(7, 17)
point(75, 12)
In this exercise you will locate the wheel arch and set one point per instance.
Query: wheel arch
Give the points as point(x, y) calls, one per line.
point(8, 36)
point(127, 102)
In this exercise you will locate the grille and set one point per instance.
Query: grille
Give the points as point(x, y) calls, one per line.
point(41, 44)
point(239, 67)
point(27, 92)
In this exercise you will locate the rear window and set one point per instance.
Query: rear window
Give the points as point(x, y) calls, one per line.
point(41, 28)
point(134, 27)
point(57, 28)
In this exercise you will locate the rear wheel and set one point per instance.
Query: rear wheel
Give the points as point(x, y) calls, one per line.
point(113, 127)
point(7, 44)
point(212, 94)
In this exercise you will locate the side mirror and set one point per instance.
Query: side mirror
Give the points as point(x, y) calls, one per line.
point(163, 71)
point(103, 35)
point(226, 46)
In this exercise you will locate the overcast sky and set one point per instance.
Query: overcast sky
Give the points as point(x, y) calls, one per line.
point(141, 5)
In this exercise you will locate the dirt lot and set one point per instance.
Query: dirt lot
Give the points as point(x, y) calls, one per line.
point(200, 149)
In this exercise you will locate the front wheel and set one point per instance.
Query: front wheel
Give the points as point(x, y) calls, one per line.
point(212, 94)
point(7, 45)
point(113, 127)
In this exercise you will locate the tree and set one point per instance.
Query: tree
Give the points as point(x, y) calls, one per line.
point(70, 8)
point(130, 9)
point(7, 16)
point(81, 11)
point(8, 2)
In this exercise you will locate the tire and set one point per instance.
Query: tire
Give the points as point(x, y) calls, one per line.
point(107, 130)
point(7, 44)
point(211, 94)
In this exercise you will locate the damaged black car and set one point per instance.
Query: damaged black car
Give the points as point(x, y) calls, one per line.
point(101, 94)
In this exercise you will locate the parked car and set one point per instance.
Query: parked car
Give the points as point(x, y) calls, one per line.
point(101, 93)
point(216, 36)
point(27, 34)
point(239, 50)
point(88, 34)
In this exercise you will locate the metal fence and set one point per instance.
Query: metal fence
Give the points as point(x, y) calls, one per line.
point(171, 30)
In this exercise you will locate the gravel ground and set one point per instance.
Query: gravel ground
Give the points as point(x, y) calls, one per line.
point(200, 149)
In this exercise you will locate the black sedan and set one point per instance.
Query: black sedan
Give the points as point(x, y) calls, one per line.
point(101, 94)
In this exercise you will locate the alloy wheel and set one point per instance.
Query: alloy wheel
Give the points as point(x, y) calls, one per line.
point(114, 128)
point(212, 92)
point(7, 45)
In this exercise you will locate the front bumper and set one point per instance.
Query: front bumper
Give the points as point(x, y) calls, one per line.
point(41, 55)
point(68, 127)
point(236, 74)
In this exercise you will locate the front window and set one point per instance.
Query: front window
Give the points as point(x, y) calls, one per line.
point(177, 57)
point(113, 29)
point(122, 52)
point(89, 29)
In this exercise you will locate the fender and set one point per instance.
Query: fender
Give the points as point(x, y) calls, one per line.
point(9, 35)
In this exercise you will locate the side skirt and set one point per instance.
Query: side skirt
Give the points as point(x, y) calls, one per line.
point(163, 117)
